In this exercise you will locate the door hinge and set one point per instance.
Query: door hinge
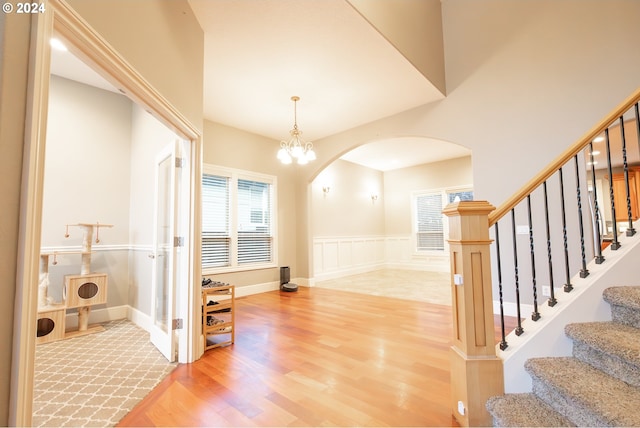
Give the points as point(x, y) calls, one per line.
point(178, 241)
point(176, 324)
point(179, 162)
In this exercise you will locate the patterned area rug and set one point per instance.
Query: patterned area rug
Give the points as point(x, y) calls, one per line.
point(95, 380)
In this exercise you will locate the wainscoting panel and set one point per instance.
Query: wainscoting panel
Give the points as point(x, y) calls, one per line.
point(349, 255)
point(339, 256)
point(345, 253)
point(398, 249)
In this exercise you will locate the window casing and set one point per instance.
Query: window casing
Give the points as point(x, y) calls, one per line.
point(238, 220)
point(429, 224)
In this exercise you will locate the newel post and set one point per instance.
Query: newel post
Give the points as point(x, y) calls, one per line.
point(476, 371)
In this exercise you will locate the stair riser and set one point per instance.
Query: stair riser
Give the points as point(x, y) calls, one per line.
point(518, 410)
point(625, 315)
point(611, 365)
point(575, 412)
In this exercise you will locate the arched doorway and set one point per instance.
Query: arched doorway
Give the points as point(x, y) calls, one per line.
point(367, 210)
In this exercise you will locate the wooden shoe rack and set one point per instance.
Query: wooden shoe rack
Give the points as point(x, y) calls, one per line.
point(218, 318)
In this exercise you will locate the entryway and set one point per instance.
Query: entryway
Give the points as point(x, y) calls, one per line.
point(110, 170)
point(115, 179)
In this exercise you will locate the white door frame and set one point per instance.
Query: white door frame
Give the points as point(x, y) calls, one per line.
point(88, 45)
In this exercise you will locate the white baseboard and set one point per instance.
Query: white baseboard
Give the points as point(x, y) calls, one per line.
point(247, 290)
point(140, 319)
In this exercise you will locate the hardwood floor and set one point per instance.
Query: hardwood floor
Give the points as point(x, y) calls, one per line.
point(316, 357)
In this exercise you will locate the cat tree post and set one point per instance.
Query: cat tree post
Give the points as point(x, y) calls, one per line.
point(87, 238)
point(85, 269)
point(43, 288)
point(89, 288)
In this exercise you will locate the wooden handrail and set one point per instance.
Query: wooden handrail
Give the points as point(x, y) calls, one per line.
point(565, 157)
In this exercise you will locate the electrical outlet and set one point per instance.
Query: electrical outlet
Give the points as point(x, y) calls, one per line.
point(546, 290)
point(461, 408)
point(522, 230)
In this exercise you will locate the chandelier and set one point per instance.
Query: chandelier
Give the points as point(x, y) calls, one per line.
point(296, 147)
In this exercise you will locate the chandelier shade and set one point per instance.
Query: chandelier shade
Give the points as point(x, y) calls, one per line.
point(296, 148)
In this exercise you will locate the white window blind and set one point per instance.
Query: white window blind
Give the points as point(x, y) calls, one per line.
point(216, 237)
point(429, 228)
point(254, 222)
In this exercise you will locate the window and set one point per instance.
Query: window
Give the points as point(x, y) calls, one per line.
point(464, 195)
point(237, 220)
point(428, 223)
point(429, 228)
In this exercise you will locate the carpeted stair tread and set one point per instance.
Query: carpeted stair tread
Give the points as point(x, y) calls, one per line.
point(609, 346)
point(628, 296)
point(625, 304)
point(585, 395)
point(524, 410)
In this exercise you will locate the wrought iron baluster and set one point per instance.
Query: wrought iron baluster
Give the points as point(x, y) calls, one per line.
point(630, 230)
point(567, 286)
point(519, 330)
point(637, 125)
point(599, 257)
point(552, 298)
point(535, 315)
point(584, 272)
point(614, 243)
point(503, 341)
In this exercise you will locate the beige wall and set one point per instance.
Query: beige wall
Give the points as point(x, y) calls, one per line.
point(162, 40)
point(347, 209)
point(414, 28)
point(399, 184)
point(86, 162)
point(14, 61)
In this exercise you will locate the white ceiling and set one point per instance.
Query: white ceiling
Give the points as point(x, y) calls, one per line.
point(258, 54)
point(390, 154)
point(67, 65)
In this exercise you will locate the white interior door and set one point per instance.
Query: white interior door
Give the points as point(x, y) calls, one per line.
point(166, 260)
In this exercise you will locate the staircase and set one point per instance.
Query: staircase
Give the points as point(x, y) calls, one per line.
point(598, 386)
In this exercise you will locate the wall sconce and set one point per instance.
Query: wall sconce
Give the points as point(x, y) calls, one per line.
point(374, 197)
point(325, 189)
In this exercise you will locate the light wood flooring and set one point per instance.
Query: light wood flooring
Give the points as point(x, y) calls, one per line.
point(317, 357)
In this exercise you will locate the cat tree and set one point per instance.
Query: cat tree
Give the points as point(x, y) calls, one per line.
point(80, 291)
